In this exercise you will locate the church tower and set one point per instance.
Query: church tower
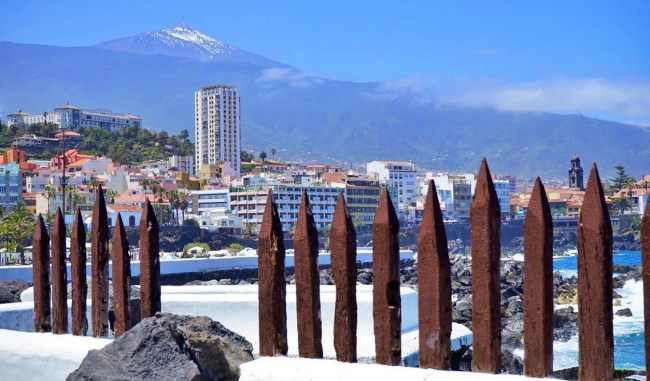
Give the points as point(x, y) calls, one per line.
point(575, 174)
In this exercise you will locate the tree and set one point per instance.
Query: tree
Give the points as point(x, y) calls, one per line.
point(273, 152)
point(174, 201)
point(357, 221)
point(262, 156)
point(621, 179)
point(183, 203)
point(49, 194)
point(246, 156)
point(184, 135)
point(18, 225)
point(111, 195)
point(93, 183)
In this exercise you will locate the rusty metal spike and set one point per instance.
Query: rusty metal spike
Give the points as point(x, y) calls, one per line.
point(99, 269)
point(78, 272)
point(59, 276)
point(485, 221)
point(121, 279)
point(386, 283)
point(538, 285)
point(41, 277)
point(343, 244)
point(434, 286)
point(305, 244)
point(595, 325)
point(272, 285)
point(645, 258)
point(150, 291)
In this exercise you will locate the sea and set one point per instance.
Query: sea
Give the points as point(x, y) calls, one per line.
point(629, 349)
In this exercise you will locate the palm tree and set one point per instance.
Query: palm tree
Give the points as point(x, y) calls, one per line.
point(93, 183)
point(18, 225)
point(273, 152)
point(72, 195)
point(49, 194)
point(174, 203)
point(111, 195)
point(184, 202)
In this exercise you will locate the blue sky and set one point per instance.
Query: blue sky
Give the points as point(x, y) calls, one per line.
point(590, 57)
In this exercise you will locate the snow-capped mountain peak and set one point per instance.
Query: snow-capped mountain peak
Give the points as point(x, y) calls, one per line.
point(184, 41)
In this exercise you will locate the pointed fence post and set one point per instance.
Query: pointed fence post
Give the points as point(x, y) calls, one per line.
point(272, 284)
point(41, 277)
point(121, 279)
point(59, 276)
point(78, 272)
point(538, 285)
point(150, 302)
point(343, 244)
point(305, 244)
point(99, 261)
point(434, 286)
point(595, 325)
point(485, 221)
point(645, 258)
point(386, 306)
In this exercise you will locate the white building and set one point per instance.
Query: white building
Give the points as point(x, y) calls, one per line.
point(204, 201)
point(182, 163)
point(454, 193)
point(503, 189)
point(250, 203)
point(67, 116)
point(217, 126)
point(397, 175)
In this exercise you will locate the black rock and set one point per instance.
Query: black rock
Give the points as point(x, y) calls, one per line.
point(169, 347)
point(624, 312)
point(510, 363)
point(10, 290)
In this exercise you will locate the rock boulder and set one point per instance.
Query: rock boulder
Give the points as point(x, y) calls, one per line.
point(169, 347)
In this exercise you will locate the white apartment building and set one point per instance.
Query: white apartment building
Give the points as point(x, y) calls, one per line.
point(454, 193)
point(249, 203)
point(204, 201)
point(182, 163)
point(67, 116)
point(217, 126)
point(397, 175)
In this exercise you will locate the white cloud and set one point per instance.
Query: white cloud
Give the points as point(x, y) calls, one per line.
point(293, 77)
point(625, 102)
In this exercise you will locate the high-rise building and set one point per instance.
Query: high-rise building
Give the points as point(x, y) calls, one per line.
point(217, 126)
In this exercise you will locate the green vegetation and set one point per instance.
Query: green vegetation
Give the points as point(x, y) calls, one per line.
point(132, 145)
point(235, 248)
point(621, 180)
point(191, 222)
point(202, 245)
point(18, 226)
point(129, 145)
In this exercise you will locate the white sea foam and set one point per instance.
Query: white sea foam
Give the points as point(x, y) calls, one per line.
point(566, 353)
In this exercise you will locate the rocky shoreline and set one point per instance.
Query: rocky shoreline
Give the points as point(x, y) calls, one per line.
point(564, 294)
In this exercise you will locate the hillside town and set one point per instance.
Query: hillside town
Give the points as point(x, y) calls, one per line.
point(222, 188)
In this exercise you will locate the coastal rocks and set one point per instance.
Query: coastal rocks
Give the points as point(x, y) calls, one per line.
point(169, 347)
point(565, 324)
point(10, 290)
point(626, 312)
point(510, 362)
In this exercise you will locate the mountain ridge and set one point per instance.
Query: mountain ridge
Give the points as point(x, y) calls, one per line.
point(184, 41)
point(319, 119)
